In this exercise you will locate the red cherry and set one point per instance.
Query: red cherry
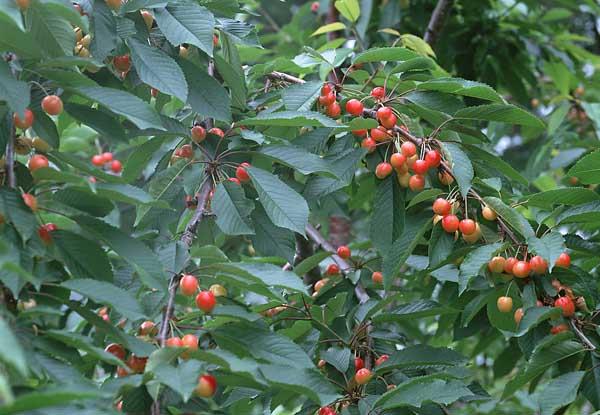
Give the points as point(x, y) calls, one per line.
point(420, 166)
point(215, 41)
point(188, 285)
point(332, 269)
point(467, 226)
point(30, 200)
point(450, 223)
point(383, 170)
point(327, 410)
point(358, 363)
point(389, 122)
point(497, 264)
point(122, 63)
point(509, 264)
point(116, 166)
point(378, 134)
point(116, 350)
point(397, 160)
point(433, 158)
point(52, 105)
point(147, 327)
point(381, 360)
point(384, 113)
point(563, 261)
point(207, 386)
point(190, 341)
point(37, 161)
point(359, 133)
point(137, 364)
point(416, 183)
point(377, 277)
point(378, 92)
point(538, 265)
point(441, 206)
point(521, 269)
point(174, 342)
point(326, 89)
point(327, 99)
point(98, 160)
point(369, 144)
point(559, 328)
point(198, 133)
point(234, 180)
point(567, 305)
point(24, 123)
point(107, 157)
point(241, 173)
point(45, 232)
point(216, 131)
point(205, 300)
point(354, 107)
point(363, 376)
point(334, 110)
point(408, 148)
point(344, 252)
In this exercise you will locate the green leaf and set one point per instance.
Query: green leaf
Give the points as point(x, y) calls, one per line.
point(123, 103)
point(463, 87)
point(183, 379)
point(425, 195)
point(385, 54)
point(101, 121)
point(510, 216)
point(534, 316)
point(11, 352)
point(10, 11)
point(45, 127)
point(493, 161)
point(422, 357)
point(331, 27)
point(387, 219)
point(84, 343)
point(549, 247)
point(587, 169)
point(461, 166)
point(47, 398)
point(12, 39)
point(301, 97)
point(564, 196)
point(15, 93)
point(53, 34)
point(267, 274)
point(586, 213)
point(501, 113)
point(416, 309)
point(337, 357)
point(232, 209)
point(311, 262)
point(105, 36)
point(16, 212)
point(187, 22)
point(269, 239)
point(474, 261)
point(206, 96)
point(560, 392)
point(83, 258)
point(106, 293)
point(158, 70)
point(138, 160)
point(440, 246)
point(414, 229)
point(284, 206)
point(415, 64)
point(298, 159)
point(350, 9)
point(291, 119)
point(235, 78)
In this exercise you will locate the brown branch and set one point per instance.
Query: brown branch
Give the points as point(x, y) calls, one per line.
point(436, 23)
point(582, 336)
point(10, 158)
point(190, 229)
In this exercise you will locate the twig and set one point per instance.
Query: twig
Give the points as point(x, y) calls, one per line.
point(190, 229)
point(10, 158)
point(164, 325)
point(582, 336)
point(437, 20)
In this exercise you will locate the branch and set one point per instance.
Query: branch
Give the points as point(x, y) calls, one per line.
point(190, 229)
point(10, 158)
point(436, 23)
point(582, 336)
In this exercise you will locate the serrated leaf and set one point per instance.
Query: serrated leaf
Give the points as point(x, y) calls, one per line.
point(440, 246)
point(385, 54)
point(183, 379)
point(423, 196)
point(187, 22)
point(301, 97)
point(337, 357)
point(15, 93)
point(461, 166)
point(138, 160)
point(587, 169)
point(416, 309)
point(421, 357)
point(491, 160)
point(534, 316)
point(291, 119)
point(350, 9)
point(331, 27)
point(387, 219)
point(299, 159)
point(48, 397)
point(262, 273)
point(53, 34)
point(474, 261)
point(11, 352)
point(586, 213)
point(84, 258)
point(16, 212)
point(206, 96)
point(510, 216)
point(549, 247)
point(84, 343)
point(501, 113)
point(99, 120)
point(269, 239)
point(560, 392)
point(564, 196)
point(232, 209)
point(461, 86)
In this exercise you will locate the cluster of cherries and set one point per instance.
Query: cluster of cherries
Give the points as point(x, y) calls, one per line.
point(51, 105)
point(107, 159)
point(205, 300)
point(83, 43)
point(46, 229)
point(469, 228)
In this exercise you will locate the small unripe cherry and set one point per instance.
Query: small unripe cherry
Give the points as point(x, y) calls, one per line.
point(218, 290)
point(488, 213)
point(433, 158)
point(496, 264)
point(384, 112)
point(378, 92)
point(37, 161)
point(383, 170)
point(563, 261)
point(521, 269)
point(147, 327)
point(359, 363)
point(52, 105)
point(380, 135)
point(24, 123)
point(363, 376)
point(332, 269)
point(538, 265)
point(441, 206)
point(377, 277)
point(97, 160)
point(389, 122)
point(397, 160)
point(148, 19)
point(504, 304)
point(344, 252)
point(354, 107)
point(369, 144)
point(116, 166)
point(334, 110)
point(445, 178)
point(519, 315)
point(216, 131)
point(474, 237)
point(174, 342)
point(116, 350)
point(327, 99)
point(450, 223)
point(30, 200)
point(207, 386)
point(509, 265)
point(416, 183)
point(467, 226)
point(566, 304)
point(320, 284)
point(559, 328)
point(404, 179)
point(205, 300)
point(188, 285)
point(420, 167)
point(382, 359)
point(408, 148)
point(198, 133)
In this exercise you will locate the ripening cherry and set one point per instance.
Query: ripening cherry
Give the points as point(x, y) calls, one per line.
point(327, 99)
point(389, 122)
point(190, 341)
point(188, 285)
point(198, 133)
point(566, 304)
point(116, 166)
point(381, 360)
point(344, 252)
point(420, 167)
point(488, 213)
point(538, 265)
point(334, 110)
point(321, 363)
point(521, 269)
point(326, 89)
point(52, 105)
point(27, 120)
point(23, 4)
point(216, 131)
point(234, 180)
point(354, 107)
point(474, 237)
point(205, 300)
point(559, 328)
point(37, 161)
point(408, 148)
point(116, 350)
point(397, 160)
point(433, 158)
point(122, 63)
point(467, 226)
point(377, 277)
point(174, 342)
point(450, 223)
point(363, 376)
point(207, 386)
point(327, 410)
point(45, 232)
point(378, 92)
point(320, 284)
point(30, 200)
point(509, 265)
point(441, 206)
point(563, 261)
point(369, 144)
point(218, 290)
point(445, 178)
point(497, 264)
point(122, 372)
point(519, 315)
point(358, 363)
point(384, 113)
point(404, 179)
point(241, 173)
point(97, 160)
point(359, 133)
point(378, 134)
point(147, 328)
point(416, 183)
point(332, 269)
point(504, 304)
point(107, 157)
point(383, 170)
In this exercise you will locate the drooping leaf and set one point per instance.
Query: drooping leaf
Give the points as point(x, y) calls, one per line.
point(12, 352)
point(387, 219)
point(461, 166)
point(502, 113)
point(587, 169)
point(232, 209)
point(514, 219)
point(299, 159)
point(206, 95)
point(291, 119)
point(84, 258)
point(475, 261)
point(549, 247)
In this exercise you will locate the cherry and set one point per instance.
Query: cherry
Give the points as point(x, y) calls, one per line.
point(147, 328)
point(154, 92)
point(320, 284)
point(538, 265)
point(563, 261)
point(509, 265)
point(30, 201)
point(377, 277)
point(488, 213)
point(378, 92)
point(148, 19)
point(334, 110)
point(241, 173)
point(384, 113)
point(116, 350)
point(445, 178)
point(107, 157)
point(559, 328)
point(567, 305)
point(344, 252)
point(497, 264)
point(378, 134)
point(174, 342)
point(389, 122)
point(327, 99)
point(23, 4)
point(467, 226)
point(198, 133)
point(420, 166)
point(321, 363)
point(332, 269)
point(97, 160)
point(521, 269)
point(188, 285)
point(504, 304)
point(207, 386)
point(116, 166)
point(354, 107)
point(24, 123)
point(215, 40)
point(234, 180)
point(519, 315)
point(327, 410)
point(441, 206)
point(216, 131)
point(358, 363)
point(383, 170)
point(474, 237)
point(52, 105)
point(382, 359)
point(450, 223)
point(218, 290)
point(433, 158)
point(186, 151)
point(37, 161)
point(360, 133)
point(137, 364)
point(369, 144)
point(408, 148)
point(190, 341)
point(45, 232)
point(122, 372)
point(122, 63)
point(363, 376)
point(416, 183)
point(397, 160)
point(404, 179)
point(326, 89)
point(205, 300)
